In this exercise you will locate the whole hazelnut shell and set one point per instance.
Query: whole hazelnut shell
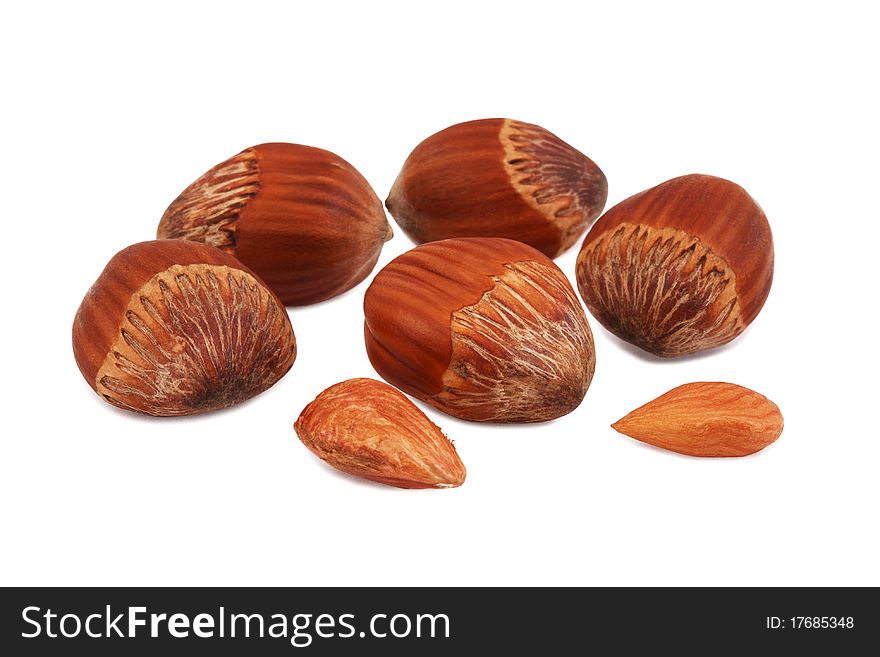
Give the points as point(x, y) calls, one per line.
point(485, 329)
point(175, 328)
point(498, 178)
point(302, 218)
point(679, 268)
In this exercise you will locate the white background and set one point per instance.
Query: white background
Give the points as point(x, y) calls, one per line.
point(110, 111)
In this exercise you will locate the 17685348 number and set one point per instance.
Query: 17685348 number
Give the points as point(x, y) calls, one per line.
point(811, 623)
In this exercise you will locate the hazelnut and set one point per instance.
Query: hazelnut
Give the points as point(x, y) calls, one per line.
point(498, 178)
point(679, 268)
point(485, 329)
point(175, 328)
point(302, 218)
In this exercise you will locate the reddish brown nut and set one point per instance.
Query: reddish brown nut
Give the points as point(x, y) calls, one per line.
point(484, 329)
point(679, 268)
point(302, 218)
point(706, 419)
point(175, 328)
point(368, 429)
point(498, 178)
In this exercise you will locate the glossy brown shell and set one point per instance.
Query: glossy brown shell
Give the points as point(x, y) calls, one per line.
point(498, 178)
point(679, 268)
point(175, 328)
point(302, 218)
point(485, 329)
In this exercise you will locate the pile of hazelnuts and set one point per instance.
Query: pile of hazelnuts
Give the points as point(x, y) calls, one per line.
point(476, 320)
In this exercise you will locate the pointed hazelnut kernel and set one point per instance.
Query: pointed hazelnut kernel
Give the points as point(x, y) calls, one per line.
point(368, 429)
point(175, 328)
point(706, 419)
point(485, 329)
point(498, 178)
point(302, 218)
point(679, 268)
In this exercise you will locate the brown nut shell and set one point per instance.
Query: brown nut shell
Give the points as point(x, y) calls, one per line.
point(498, 178)
point(175, 328)
point(706, 419)
point(368, 429)
point(302, 218)
point(485, 329)
point(679, 268)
